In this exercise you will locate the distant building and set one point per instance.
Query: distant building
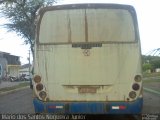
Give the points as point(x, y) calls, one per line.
point(9, 64)
point(157, 69)
point(24, 69)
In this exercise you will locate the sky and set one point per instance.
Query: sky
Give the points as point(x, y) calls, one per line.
point(148, 20)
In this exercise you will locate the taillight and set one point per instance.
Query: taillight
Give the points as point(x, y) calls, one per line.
point(122, 107)
point(138, 78)
point(132, 94)
point(39, 87)
point(43, 94)
point(37, 79)
point(135, 86)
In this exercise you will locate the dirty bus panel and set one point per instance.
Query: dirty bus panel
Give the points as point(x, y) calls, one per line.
point(87, 56)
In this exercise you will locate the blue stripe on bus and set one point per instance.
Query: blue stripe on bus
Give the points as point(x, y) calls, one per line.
point(88, 107)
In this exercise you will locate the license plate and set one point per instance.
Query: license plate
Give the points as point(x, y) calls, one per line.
point(87, 89)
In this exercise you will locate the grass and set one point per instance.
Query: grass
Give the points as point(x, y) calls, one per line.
point(151, 74)
point(150, 80)
point(151, 77)
point(14, 87)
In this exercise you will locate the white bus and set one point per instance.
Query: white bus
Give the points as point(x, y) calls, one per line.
point(87, 60)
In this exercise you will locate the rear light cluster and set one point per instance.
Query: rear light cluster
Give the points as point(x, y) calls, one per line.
point(40, 87)
point(135, 87)
point(132, 94)
point(138, 78)
point(37, 79)
point(43, 94)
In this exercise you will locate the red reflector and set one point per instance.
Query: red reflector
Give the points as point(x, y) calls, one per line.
point(56, 107)
point(52, 107)
point(122, 107)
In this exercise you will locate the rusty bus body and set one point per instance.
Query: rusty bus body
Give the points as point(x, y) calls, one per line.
point(87, 60)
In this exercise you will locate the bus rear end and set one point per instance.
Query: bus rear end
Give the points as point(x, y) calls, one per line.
point(88, 60)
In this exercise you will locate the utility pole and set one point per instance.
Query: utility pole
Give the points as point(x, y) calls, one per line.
point(30, 78)
point(29, 65)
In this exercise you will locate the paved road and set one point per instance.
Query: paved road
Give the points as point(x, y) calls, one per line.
point(17, 102)
point(151, 103)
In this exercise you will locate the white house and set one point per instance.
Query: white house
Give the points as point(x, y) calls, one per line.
point(24, 69)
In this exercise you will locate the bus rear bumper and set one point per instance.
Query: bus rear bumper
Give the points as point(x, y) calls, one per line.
point(89, 107)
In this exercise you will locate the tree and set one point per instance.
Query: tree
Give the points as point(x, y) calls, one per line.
point(150, 62)
point(147, 66)
point(22, 15)
point(155, 63)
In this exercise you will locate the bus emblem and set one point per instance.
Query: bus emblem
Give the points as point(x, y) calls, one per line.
point(86, 52)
